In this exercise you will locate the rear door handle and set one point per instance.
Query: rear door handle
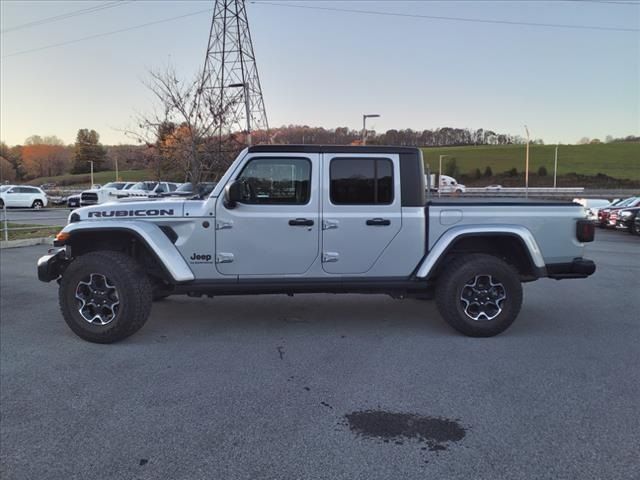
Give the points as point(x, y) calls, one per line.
point(301, 222)
point(379, 222)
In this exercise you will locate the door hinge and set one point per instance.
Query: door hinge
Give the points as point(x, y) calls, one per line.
point(222, 225)
point(329, 257)
point(329, 224)
point(223, 257)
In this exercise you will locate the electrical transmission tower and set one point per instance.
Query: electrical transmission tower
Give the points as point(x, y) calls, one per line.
point(230, 71)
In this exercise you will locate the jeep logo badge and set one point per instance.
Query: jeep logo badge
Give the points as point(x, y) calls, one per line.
point(200, 258)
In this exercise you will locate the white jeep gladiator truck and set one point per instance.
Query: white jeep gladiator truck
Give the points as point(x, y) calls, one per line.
point(288, 219)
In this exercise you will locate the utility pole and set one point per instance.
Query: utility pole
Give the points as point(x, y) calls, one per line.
point(116, 160)
point(526, 167)
point(230, 71)
point(555, 168)
point(364, 125)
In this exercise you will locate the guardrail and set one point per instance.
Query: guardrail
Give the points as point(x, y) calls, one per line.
point(536, 192)
point(31, 219)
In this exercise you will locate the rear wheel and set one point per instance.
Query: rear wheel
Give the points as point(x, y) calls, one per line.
point(105, 296)
point(479, 295)
point(37, 204)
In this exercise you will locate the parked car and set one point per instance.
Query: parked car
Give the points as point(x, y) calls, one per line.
point(96, 196)
point(150, 189)
point(186, 190)
point(22, 196)
point(592, 206)
point(493, 188)
point(73, 201)
point(624, 218)
point(603, 213)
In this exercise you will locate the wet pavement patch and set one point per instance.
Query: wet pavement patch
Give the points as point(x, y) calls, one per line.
point(435, 432)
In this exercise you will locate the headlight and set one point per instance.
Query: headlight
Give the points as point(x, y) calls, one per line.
point(625, 214)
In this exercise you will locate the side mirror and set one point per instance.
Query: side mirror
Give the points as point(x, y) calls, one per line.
point(233, 193)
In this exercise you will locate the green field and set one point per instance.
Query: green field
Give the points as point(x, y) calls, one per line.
point(84, 179)
point(618, 160)
point(29, 231)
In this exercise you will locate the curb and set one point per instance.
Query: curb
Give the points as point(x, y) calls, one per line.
point(26, 242)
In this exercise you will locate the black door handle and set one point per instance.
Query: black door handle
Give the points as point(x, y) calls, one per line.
point(301, 222)
point(379, 222)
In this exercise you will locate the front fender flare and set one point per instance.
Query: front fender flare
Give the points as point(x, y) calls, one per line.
point(450, 236)
point(149, 234)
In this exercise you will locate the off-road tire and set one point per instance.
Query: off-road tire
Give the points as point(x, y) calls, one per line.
point(133, 288)
point(461, 270)
point(37, 204)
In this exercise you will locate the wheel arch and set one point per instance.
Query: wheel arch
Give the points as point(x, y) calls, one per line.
point(513, 244)
point(145, 241)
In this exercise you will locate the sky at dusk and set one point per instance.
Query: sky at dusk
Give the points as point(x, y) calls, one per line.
point(327, 68)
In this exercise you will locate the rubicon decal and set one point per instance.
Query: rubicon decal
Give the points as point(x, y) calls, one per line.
point(153, 212)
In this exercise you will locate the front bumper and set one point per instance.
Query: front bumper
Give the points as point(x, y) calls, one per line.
point(579, 268)
point(51, 266)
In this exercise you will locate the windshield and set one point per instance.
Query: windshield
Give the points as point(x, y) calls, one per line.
point(185, 187)
point(627, 202)
point(115, 185)
point(147, 186)
point(4, 188)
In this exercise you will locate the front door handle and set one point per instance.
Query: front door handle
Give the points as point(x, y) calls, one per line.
point(379, 222)
point(301, 222)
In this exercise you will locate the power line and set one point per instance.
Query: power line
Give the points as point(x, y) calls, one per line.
point(453, 19)
point(105, 34)
point(64, 16)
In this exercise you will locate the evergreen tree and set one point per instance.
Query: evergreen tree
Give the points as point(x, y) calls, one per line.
point(88, 149)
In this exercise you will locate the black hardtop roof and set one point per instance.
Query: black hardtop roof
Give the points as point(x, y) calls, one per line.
point(331, 149)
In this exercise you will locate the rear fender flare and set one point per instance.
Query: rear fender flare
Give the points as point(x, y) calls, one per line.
point(448, 239)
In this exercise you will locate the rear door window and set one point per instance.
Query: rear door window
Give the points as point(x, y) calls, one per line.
point(361, 181)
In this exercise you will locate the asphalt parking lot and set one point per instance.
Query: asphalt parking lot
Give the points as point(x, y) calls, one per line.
point(273, 387)
point(48, 216)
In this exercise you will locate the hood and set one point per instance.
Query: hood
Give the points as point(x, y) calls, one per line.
point(137, 210)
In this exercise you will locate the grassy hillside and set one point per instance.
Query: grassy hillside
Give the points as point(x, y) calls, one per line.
point(84, 179)
point(618, 160)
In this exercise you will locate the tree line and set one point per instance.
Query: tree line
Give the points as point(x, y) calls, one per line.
point(166, 152)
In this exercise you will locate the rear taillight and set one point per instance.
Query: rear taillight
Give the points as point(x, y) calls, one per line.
point(585, 231)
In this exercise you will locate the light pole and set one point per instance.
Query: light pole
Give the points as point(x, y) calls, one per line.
point(91, 162)
point(555, 168)
point(438, 182)
point(526, 167)
point(364, 125)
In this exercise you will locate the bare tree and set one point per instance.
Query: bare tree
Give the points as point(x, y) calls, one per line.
point(184, 129)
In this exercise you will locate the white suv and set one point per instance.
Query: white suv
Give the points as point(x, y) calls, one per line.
point(22, 196)
point(150, 189)
point(110, 192)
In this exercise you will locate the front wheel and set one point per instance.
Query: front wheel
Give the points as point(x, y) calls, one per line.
point(479, 295)
point(105, 296)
